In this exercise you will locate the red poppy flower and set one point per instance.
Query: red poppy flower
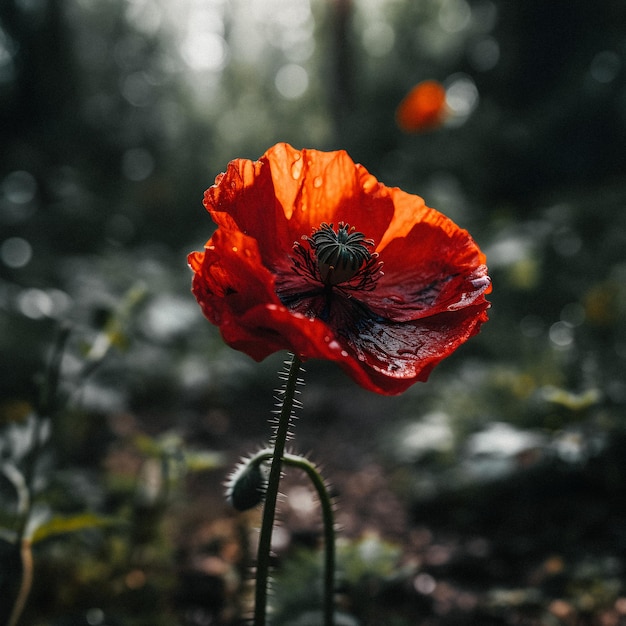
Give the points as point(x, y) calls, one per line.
point(423, 108)
point(375, 281)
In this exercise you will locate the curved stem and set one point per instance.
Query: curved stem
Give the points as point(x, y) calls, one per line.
point(26, 556)
point(329, 531)
point(271, 494)
point(24, 481)
point(328, 520)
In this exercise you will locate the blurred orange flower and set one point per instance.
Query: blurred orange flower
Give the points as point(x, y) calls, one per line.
point(387, 304)
point(423, 108)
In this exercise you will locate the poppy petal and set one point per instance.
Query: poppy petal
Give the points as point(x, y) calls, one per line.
point(399, 354)
point(417, 283)
point(386, 330)
point(229, 276)
point(287, 193)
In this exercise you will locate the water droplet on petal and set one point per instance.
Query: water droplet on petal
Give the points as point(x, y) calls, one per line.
point(397, 299)
point(327, 339)
point(235, 249)
point(370, 184)
point(317, 182)
point(344, 353)
point(296, 168)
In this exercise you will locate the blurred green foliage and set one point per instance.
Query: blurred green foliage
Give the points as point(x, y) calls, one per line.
point(504, 474)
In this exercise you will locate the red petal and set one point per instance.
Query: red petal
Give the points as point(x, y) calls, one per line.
point(391, 356)
point(229, 276)
point(288, 193)
point(429, 301)
point(430, 265)
point(396, 355)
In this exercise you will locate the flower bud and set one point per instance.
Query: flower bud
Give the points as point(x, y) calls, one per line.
point(246, 486)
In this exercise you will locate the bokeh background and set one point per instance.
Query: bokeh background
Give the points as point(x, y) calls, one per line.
point(493, 494)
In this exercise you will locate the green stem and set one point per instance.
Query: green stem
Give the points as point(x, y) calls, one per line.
point(271, 494)
point(329, 531)
point(48, 393)
point(24, 482)
point(328, 520)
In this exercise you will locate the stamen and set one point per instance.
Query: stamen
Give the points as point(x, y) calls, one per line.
point(340, 255)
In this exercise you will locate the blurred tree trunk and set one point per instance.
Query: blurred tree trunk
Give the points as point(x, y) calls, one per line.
point(45, 85)
point(342, 67)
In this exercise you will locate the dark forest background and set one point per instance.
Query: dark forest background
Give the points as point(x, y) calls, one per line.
point(493, 494)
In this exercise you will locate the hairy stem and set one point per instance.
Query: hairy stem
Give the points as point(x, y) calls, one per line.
point(328, 519)
point(271, 494)
point(329, 531)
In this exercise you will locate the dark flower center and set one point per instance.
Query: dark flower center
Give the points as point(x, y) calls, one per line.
point(334, 266)
point(341, 254)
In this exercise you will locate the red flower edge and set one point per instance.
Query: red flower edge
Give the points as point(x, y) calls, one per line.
point(259, 279)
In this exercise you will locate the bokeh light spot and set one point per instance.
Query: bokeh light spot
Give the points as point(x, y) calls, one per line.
point(61, 302)
point(561, 334)
point(378, 39)
point(302, 501)
point(135, 579)
point(35, 303)
point(423, 108)
point(461, 97)
point(292, 81)
point(205, 51)
point(145, 15)
point(485, 54)
point(424, 584)
point(137, 90)
point(284, 13)
point(15, 252)
point(168, 317)
point(137, 164)
point(454, 15)
point(19, 187)
point(484, 15)
point(95, 617)
point(605, 66)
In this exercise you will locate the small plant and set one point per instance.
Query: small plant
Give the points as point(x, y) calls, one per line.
point(287, 269)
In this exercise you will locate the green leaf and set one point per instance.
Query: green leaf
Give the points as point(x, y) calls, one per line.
point(201, 461)
point(114, 333)
point(59, 525)
point(572, 401)
point(147, 445)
